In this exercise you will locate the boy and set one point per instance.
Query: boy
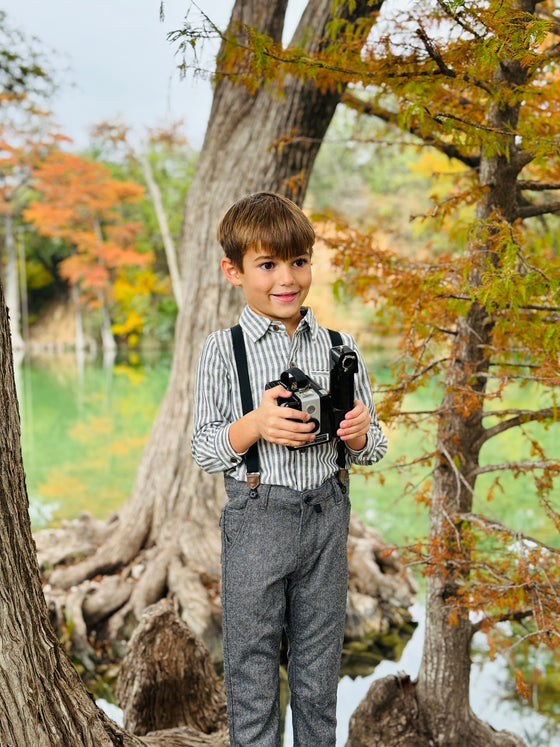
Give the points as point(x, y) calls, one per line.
point(284, 529)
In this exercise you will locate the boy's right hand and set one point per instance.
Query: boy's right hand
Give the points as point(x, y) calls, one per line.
point(282, 425)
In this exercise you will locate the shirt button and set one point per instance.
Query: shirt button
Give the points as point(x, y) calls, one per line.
point(233, 460)
point(275, 327)
point(292, 364)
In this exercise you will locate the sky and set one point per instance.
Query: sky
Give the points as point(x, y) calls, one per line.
point(119, 63)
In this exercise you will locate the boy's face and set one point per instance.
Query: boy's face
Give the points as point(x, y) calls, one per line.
point(273, 287)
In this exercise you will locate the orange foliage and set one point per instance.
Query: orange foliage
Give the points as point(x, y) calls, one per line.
point(82, 204)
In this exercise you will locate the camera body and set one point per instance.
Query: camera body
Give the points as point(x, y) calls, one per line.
point(326, 409)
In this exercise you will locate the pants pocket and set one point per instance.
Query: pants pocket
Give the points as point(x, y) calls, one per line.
point(233, 517)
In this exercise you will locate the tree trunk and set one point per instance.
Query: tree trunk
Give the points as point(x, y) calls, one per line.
point(440, 698)
point(167, 239)
point(170, 523)
point(42, 701)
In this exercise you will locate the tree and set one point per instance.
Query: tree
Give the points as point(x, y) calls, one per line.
point(82, 205)
point(26, 132)
point(258, 137)
point(156, 160)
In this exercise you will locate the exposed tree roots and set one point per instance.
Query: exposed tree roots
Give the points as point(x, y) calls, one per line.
point(391, 716)
point(184, 565)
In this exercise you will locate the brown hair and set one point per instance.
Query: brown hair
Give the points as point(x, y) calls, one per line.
point(265, 220)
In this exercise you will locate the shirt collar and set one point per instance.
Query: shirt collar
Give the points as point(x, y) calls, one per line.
point(256, 326)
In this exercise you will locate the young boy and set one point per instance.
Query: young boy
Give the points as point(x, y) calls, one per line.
point(284, 530)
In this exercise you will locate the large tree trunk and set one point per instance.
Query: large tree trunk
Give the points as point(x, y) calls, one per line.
point(438, 704)
point(42, 701)
point(169, 526)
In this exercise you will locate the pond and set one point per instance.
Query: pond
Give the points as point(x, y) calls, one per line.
point(84, 427)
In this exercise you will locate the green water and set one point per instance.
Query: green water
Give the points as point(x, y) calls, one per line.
point(83, 431)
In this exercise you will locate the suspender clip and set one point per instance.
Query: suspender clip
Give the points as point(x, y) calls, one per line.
point(253, 480)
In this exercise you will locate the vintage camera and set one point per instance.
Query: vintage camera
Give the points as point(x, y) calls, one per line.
point(326, 409)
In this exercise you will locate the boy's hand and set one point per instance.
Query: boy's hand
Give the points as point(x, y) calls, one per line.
point(282, 425)
point(355, 426)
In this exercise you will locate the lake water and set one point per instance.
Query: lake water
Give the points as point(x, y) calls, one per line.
point(83, 430)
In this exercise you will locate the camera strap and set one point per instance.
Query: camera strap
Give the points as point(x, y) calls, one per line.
point(336, 339)
point(252, 455)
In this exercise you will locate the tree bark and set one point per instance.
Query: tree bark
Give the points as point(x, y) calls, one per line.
point(167, 679)
point(170, 521)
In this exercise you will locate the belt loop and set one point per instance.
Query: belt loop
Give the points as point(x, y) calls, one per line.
point(264, 490)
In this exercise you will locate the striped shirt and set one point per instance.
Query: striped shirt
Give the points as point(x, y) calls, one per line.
point(269, 352)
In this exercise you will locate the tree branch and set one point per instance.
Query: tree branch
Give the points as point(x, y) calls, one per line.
point(457, 17)
point(506, 617)
point(530, 211)
point(373, 110)
point(537, 186)
point(519, 465)
point(519, 419)
point(494, 525)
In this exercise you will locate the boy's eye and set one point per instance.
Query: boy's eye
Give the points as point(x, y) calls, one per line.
point(267, 265)
point(301, 261)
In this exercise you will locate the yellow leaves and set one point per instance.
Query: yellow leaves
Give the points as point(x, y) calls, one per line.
point(133, 325)
point(95, 427)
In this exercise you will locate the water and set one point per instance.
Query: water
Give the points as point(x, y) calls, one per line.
point(83, 430)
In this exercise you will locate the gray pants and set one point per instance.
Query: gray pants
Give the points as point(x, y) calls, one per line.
point(284, 566)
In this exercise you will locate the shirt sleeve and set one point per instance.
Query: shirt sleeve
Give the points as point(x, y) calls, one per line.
point(213, 414)
point(376, 441)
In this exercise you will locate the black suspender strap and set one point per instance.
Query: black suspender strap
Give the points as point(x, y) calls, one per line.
point(252, 455)
point(336, 339)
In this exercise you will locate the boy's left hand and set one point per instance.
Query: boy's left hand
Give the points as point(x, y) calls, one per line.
point(355, 426)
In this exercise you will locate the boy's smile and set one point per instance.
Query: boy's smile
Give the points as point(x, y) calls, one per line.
point(273, 287)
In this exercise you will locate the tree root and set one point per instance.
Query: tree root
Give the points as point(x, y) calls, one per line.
point(391, 716)
point(167, 678)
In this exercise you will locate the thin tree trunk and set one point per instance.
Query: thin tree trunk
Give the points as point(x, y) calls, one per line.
point(168, 243)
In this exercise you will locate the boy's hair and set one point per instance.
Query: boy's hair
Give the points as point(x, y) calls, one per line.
point(265, 220)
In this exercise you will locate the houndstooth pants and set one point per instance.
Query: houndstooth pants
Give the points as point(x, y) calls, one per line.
point(284, 566)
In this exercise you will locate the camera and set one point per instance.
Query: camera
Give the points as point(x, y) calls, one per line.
point(326, 409)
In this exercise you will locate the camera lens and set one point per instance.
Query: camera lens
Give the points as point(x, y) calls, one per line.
point(347, 362)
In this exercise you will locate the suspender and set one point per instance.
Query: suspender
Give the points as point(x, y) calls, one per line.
point(252, 455)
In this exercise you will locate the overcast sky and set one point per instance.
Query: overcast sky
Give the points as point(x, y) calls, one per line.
point(119, 61)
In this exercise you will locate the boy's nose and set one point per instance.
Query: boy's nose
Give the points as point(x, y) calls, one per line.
point(286, 275)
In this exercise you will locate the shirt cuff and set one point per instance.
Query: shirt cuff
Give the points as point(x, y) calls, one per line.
point(357, 453)
point(225, 450)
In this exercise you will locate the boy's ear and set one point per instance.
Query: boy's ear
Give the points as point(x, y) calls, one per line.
point(231, 271)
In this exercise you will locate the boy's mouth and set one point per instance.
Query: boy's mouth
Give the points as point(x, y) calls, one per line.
point(285, 297)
